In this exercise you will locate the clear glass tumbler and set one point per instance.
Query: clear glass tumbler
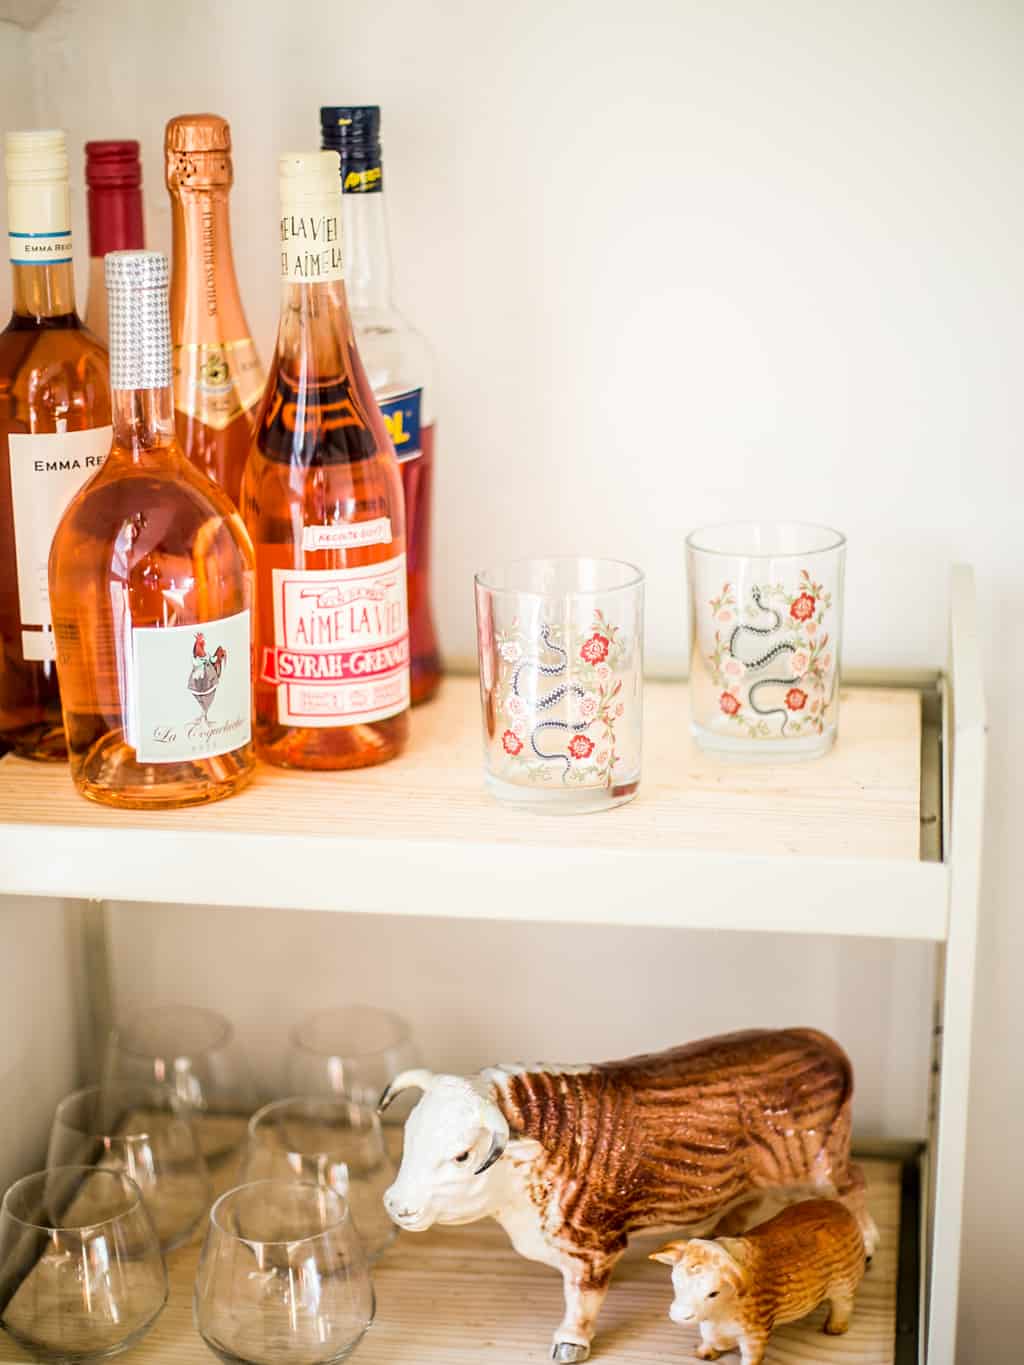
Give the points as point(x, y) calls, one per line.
point(332, 1142)
point(283, 1278)
point(81, 1272)
point(148, 1133)
point(766, 615)
point(194, 1052)
point(560, 644)
point(354, 1051)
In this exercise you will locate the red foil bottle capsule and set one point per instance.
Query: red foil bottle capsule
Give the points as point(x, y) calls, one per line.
point(113, 178)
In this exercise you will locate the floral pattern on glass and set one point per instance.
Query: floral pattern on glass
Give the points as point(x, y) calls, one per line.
point(565, 732)
point(802, 700)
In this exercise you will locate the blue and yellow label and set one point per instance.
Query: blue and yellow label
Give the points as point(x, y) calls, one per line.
point(358, 178)
point(402, 419)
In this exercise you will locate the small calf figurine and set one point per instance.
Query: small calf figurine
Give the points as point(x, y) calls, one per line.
point(572, 1160)
point(738, 1289)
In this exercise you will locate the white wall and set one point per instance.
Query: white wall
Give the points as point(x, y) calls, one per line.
point(40, 1057)
point(679, 262)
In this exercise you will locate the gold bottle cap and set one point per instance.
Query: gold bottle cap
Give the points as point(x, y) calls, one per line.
point(38, 154)
point(198, 133)
point(198, 151)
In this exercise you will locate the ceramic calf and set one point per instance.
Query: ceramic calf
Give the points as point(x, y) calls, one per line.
point(572, 1160)
point(738, 1289)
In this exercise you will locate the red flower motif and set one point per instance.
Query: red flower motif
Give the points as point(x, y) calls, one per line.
point(803, 608)
point(729, 704)
point(594, 650)
point(511, 743)
point(796, 699)
point(580, 746)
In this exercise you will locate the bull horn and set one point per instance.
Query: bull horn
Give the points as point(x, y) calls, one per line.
point(497, 1124)
point(420, 1079)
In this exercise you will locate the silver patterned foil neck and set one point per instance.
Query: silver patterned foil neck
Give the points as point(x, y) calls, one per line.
point(140, 323)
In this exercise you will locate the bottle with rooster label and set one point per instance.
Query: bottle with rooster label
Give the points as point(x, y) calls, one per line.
point(397, 359)
point(218, 379)
point(322, 498)
point(54, 432)
point(113, 177)
point(151, 585)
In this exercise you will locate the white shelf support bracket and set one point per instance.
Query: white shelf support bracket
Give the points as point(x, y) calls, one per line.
point(963, 807)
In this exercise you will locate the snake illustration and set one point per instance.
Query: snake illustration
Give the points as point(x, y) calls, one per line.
point(552, 698)
point(766, 658)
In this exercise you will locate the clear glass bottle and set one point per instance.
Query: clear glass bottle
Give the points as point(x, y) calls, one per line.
point(397, 359)
point(151, 583)
point(113, 178)
point(218, 378)
point(322, 498)
point(54, 431)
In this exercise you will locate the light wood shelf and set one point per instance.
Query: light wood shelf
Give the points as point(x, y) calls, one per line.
point(828, 846)
point(461, 1296)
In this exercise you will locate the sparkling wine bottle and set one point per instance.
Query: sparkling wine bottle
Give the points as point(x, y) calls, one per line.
point(322, 498)
point(54, 431)
point(218, 378)
point(113, 176)
point(151, 581)
point(397, 359)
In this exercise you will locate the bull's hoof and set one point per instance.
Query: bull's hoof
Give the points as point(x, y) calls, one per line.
point(569, 1352)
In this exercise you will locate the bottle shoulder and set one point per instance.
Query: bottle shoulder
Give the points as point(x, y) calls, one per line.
point(396, 356)
point(51, 374)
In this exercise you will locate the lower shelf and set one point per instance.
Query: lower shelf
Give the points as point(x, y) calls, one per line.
point(461, 1296)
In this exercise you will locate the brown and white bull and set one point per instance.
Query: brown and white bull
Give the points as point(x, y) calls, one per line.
point(571, 1160)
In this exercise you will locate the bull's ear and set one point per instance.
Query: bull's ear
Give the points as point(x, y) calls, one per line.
point(670, 1254)
point(419, 1079)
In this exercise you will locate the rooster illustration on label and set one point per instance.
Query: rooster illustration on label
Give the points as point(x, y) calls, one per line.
point(204, 678)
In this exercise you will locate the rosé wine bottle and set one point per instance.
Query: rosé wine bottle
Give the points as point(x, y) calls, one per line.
point(322, 498)
point(151, 584)
point(54, 432)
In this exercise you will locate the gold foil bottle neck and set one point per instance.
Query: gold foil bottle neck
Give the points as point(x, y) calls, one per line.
point(198, 151)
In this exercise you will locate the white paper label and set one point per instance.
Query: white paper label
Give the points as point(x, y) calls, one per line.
point(40, 248)
point(39, 646)
point(341, 644)
point(46, 473)
point(190, 690)
point(311, 241)
point(349, 537)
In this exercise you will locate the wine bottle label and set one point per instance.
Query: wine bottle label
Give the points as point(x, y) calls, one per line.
point(341, 644)
point(311, 241)
point(216, 381)
point(46, 472)
point(40, 248)
point(402, 419)
point(189, 690)
point(351, 536)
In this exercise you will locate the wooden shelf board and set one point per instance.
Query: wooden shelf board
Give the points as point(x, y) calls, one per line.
point(828, 846)
point(461, 1296)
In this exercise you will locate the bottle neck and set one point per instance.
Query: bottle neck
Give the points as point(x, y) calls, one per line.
point(115, 220)
point(314, 330)
point(44, 291)
point(205, 303)
point(367, 250)
point(143, 421)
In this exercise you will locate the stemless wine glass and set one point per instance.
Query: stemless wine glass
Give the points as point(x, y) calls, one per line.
point(354, 1051)
point(147, 1132)
point(283, 1278)
point(81, 1273)
point(333, 1142)
point(560, 643)
point(766, 616)
point(194, 1051)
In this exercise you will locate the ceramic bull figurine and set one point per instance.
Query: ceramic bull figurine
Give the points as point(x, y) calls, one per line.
point(571, 1160)
point(739, 1289)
